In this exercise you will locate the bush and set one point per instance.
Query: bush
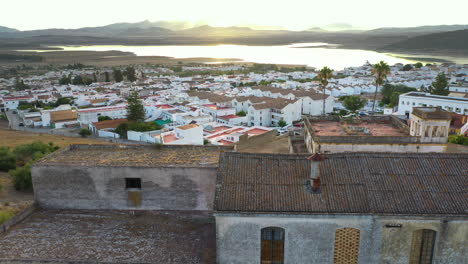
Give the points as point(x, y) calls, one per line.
point(7, 159)
point(282, 123)
point(458, 139)
point(5, 215)
point(84, 132)
point(25, 155)
point(241, 113)
point(36, 150)
point(104, 118)
point(22, 179)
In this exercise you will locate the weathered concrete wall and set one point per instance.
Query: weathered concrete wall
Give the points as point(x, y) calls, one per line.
point(248, 142)
point(86, 187)
point(310, 239)
point(362, 147)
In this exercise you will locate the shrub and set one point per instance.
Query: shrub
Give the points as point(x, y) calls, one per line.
point(104, 118)
point(7, 159)
point(5, 215)
point(458, 139)
point(282, 123)
point(84, 132)
point(36, 150)
point(22, 179)
point(242, 113)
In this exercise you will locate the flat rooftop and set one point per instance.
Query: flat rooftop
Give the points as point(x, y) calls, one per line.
point(111, 237)
point(335, 128)
point(440, 97)
point(136, 156)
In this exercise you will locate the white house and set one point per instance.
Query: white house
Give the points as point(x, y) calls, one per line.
point(91, 115)
point(409, 100)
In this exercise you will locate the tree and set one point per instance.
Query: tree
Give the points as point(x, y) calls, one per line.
point(20, 85)
point(323, 76)
point(78, 80)
point(282, 123)
point(104, 118)
point(407, 67)
point(118, 76)
point(440, 86)
point(87, 81)
point(107, 77)
point(241, 113)
point(84, 132)
point(131, 75)
point(390, 93)
point(64, 80)
point(418, 65)
point(7, 159)
point(22, 179)
point(354, 103)
point(380, 71)
point(136, 111)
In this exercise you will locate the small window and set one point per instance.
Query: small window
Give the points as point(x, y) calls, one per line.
point(133, 183)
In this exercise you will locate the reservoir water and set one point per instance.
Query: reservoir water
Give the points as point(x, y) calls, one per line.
point(310, 54)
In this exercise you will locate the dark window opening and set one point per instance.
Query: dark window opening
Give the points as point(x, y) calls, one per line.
point(272, 251)
point(133, 183)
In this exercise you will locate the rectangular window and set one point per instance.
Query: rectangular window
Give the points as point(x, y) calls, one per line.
point(133, 183)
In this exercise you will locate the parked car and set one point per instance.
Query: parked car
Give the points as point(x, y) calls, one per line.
point(21, 124)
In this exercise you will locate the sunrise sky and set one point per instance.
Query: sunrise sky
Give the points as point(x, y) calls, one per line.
point(291, 14)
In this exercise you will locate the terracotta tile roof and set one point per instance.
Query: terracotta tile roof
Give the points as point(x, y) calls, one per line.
point(135, 156)
point(109, 123)
point(214, 98)
point(64, 115)
point(278, 103)
point(363, 183)
point(189, 126)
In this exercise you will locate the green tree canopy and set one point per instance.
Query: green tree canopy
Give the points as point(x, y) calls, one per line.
point(440, 86)
point(131, 74)
point(64, 80)
point(104, 118)
point(380, 71)
point(407, 67)
point(241, 113)
point(118, 76)
point(323, 76)
point(78, 80)
point(136, 111)
point(7, 159)
point(418, 65)
point(282, 123)
point(354, 103)
point(390, 93)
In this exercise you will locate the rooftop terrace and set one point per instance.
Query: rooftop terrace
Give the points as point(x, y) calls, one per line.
point(136, 156)
point(335, 128)
point(111, 237)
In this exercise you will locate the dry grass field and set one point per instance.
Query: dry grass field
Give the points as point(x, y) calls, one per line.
point(13, 138)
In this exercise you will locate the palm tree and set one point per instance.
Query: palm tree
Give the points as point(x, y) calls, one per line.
point(380, 71)
point(324, 74)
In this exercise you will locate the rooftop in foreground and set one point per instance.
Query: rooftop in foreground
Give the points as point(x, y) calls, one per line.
point(334, 128)
point(111, 237)
point(136, 156)
point(360, 183)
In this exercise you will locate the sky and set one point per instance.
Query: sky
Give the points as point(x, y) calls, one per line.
point(290, 14)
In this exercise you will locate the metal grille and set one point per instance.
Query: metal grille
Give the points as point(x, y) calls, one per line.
point(422, 246)
point(347, 246)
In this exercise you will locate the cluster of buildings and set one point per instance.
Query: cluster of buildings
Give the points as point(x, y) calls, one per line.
point(370, 189)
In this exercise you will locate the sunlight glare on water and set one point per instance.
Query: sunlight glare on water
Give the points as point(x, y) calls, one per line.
point(300, 54)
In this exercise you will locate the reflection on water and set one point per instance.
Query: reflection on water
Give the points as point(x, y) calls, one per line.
point(311, 54)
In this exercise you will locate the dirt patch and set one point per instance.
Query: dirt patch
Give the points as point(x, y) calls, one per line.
point(13, 138)
point(278, 145)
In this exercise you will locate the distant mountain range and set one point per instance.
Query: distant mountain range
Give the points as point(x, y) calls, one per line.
point(452, 40)
point(7, 30)
point(446, 37)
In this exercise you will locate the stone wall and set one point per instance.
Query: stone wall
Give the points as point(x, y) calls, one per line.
point(88, 187)
point(310, 239)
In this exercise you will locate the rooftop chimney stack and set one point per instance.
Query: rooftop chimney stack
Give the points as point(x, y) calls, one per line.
point(315, 171)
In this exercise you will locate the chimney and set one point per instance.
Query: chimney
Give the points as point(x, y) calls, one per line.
point(315, 171)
